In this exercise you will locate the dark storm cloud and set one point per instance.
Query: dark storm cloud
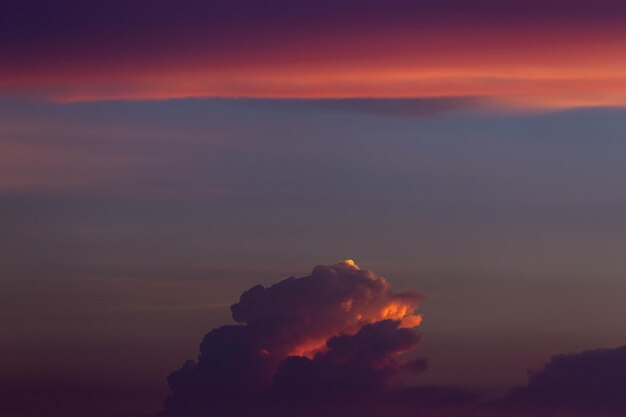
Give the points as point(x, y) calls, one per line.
point(353, 366)
point(590, 381)
point(333, 335)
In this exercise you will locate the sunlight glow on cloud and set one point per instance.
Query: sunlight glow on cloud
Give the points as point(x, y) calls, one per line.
point(338, 331)
point(532, 54)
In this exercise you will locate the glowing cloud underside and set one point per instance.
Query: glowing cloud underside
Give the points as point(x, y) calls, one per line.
point(315, 331)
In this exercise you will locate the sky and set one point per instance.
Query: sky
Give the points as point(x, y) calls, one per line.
point(159, 159)
point(556, 53)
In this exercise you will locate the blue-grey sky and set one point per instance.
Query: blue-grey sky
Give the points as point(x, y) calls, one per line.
point(128, 228)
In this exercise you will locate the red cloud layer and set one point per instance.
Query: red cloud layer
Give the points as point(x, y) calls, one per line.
point(549, 53)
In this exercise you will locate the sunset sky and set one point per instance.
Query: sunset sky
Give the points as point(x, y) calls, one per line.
point(159, 158)
point(555, 53)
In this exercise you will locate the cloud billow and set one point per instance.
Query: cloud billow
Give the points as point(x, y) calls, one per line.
point(333, 336)
point(590, 381)
point(353, 367)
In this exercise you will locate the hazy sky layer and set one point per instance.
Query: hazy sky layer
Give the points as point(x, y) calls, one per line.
point(128, 228)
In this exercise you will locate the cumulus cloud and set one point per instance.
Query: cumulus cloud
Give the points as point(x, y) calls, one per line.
point(353, 367)
point(335, 334)
point(334, 299)
point(590, 381)
point(331, 343)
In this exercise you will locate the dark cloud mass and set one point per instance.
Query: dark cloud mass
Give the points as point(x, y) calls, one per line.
point(352, 367)
point(333, 336)
point(591, 381)
point(331, 344)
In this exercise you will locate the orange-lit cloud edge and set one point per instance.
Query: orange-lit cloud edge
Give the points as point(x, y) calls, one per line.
point(526, 70)
point(401, 307)
point(538, 88)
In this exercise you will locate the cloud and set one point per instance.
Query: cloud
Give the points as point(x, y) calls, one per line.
point(333, 299)
point(354, 367)
point(157, 49)
point(335, 334)
point(590, 381)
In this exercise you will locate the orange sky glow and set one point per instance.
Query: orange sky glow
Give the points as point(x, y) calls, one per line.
point(542, 66)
